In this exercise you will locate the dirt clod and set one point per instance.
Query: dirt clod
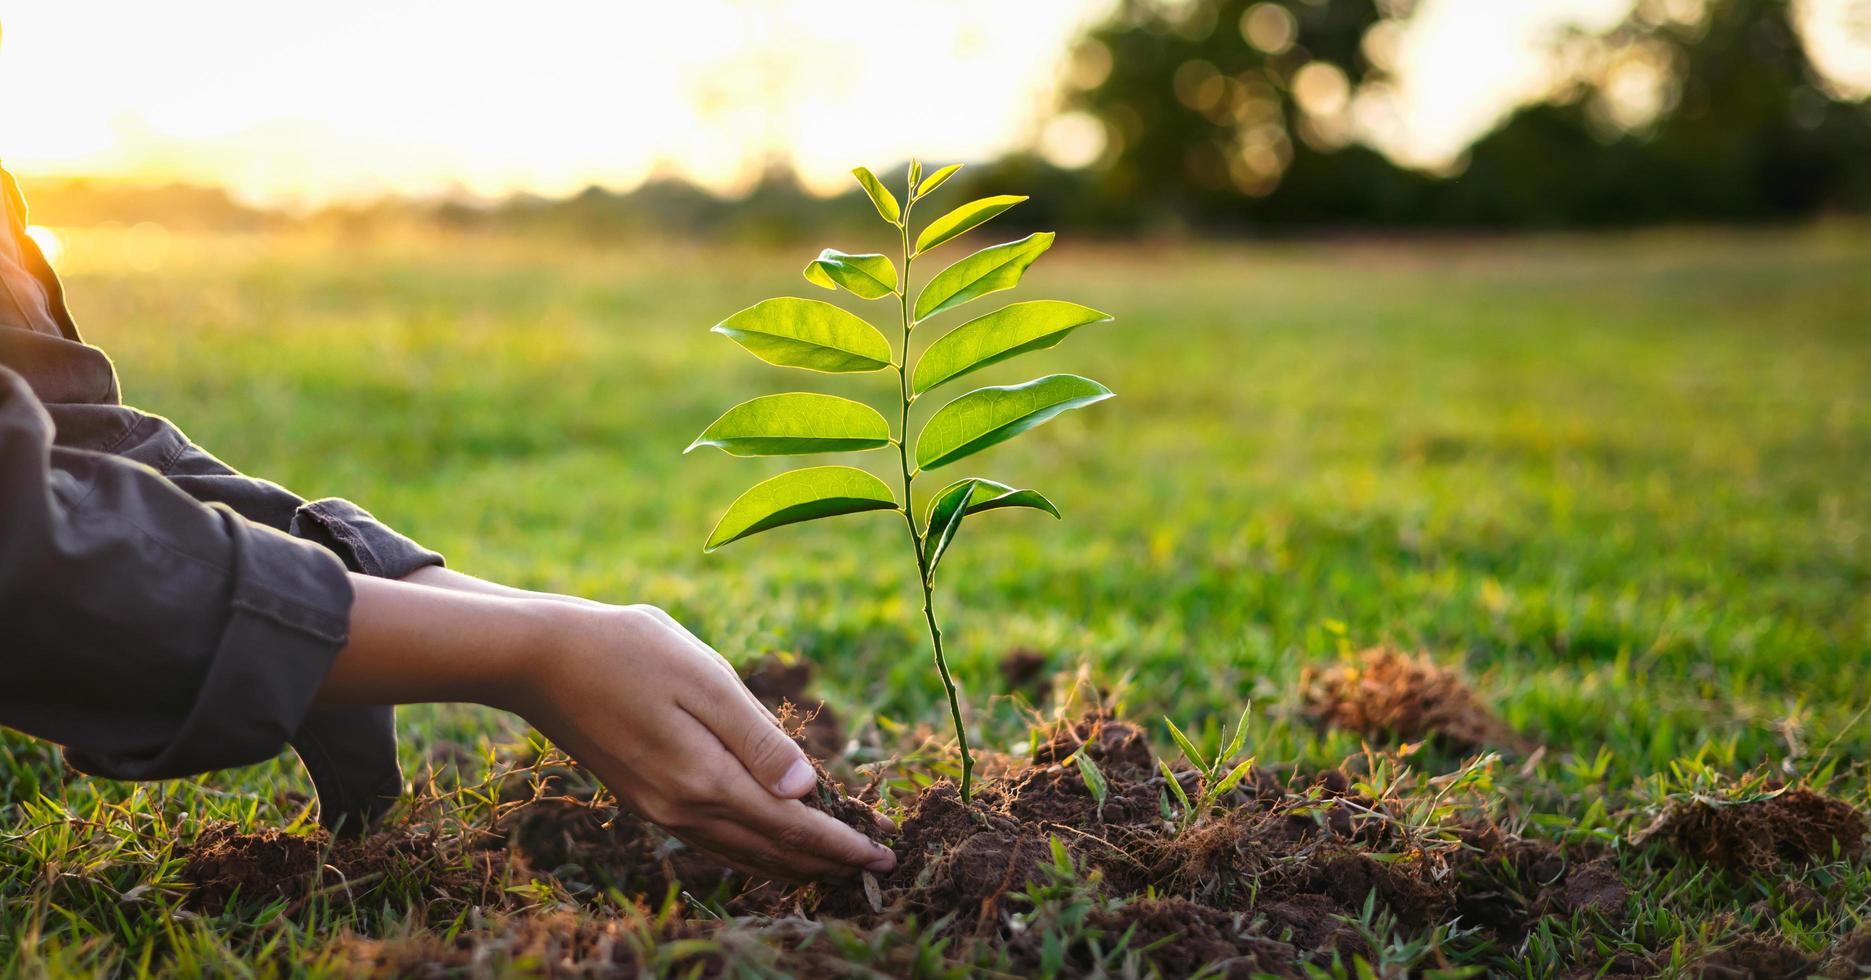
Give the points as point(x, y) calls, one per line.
point(1851, 957)
point(1274, 877)
point(1024, 670)
point(1285, 871)
point(1116, 746)
point(1794, 826)
point(590, 847)
point(1185, 939)
point(226, 867)
point(1384, 694)
point(1754, 957)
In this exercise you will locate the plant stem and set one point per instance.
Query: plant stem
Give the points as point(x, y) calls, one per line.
point(909, 514)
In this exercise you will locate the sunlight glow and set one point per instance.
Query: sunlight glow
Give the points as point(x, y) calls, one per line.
point(480, 98)
point(48, 242)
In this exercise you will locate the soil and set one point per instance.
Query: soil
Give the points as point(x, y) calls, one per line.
point(560, 943)
point(1795, 826)
point(1267, 881)
point(1386, 695)
point(1278, 876)
point(226, 867)
point(1025, 670)
point(589, 848)
point(1754, 957)
point(1851, 957)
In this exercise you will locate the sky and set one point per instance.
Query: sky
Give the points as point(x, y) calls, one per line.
point(351, 99)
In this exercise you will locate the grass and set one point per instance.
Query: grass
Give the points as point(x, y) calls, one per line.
point(1622, 482)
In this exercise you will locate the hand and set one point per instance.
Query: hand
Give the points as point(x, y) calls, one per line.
point(653, 711)
point(666, 723)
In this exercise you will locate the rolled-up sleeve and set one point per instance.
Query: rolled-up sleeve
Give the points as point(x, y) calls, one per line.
point(151, 634)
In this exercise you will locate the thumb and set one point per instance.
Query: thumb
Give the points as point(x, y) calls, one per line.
point(768, 754)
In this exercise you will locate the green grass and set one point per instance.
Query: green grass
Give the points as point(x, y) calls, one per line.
point(1625, 483)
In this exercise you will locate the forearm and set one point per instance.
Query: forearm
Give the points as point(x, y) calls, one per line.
point(413, 643)
point(438, 577)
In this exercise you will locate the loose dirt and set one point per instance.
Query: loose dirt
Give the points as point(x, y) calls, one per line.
point(1753, 957)
point(1271, 879)
point(1287, 870)
point(1851, 957)
point(1024, 670)
point(1794, 826)
point(589, 848)
point(1386, 695)
point(226, 867)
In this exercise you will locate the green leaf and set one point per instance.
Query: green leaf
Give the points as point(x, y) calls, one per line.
point(916, 174)
point(795, 423)
point(962, 219)
point(868, 276)
point(799, 496)
point(972, 496)
point(985, 494)
point(1228, 782)
point(990, 270)
point(1175, 785)
point(989, 416)
point(1061, 858)
point(936, 179)
point(807, 333)
point(1094, 780)
point(946, 511)
point(1240, 731)
point(880, 195)
point(990, 339)
point(1187, 747)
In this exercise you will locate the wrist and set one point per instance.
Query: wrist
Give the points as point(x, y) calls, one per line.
point(525, 674)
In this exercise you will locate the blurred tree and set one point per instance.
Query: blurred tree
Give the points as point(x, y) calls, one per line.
point(1231, 112)
point(1208, 106)
point(1709, 111)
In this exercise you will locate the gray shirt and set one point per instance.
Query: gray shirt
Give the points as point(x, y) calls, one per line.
point(161, 613)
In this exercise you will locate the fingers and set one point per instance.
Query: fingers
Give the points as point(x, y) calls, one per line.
point(768, 755)
point(723, 807)
point(801, 843)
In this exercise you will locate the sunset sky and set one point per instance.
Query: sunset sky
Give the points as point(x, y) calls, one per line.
point(348, 99)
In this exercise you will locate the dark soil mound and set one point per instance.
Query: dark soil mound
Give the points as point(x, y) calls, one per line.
point(1794, 826)
point(1024, 670)
point(1270, 879)
point(225, 866)
point(590, 848)
point(558, 944)
point(1384, 694)
point(1755, 958)
point(1851, 957)
point(1185, 939)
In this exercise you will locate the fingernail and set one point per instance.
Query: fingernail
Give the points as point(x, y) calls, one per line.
point(797, 781)
point(885, 861)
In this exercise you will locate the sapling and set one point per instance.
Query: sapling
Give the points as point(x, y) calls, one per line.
point(819, 336)
point(1217, 776)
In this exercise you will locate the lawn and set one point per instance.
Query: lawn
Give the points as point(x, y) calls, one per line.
point(1621, 484)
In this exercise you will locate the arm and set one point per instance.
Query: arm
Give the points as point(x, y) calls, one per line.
point(656, 714)
point(156, 637)
point(151, 635)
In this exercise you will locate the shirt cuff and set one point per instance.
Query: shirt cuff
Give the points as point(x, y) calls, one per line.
point(365, 544)
point(289, 615)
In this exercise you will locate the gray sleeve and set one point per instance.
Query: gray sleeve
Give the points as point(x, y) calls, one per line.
point(350, 753)
point(152, 635)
